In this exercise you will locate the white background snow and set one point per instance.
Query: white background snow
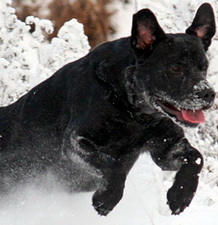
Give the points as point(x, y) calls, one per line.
point(26, 60)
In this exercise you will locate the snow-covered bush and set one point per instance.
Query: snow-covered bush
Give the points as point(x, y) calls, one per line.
point(27, 59)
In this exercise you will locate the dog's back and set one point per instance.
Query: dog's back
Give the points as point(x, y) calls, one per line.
point(33, 128)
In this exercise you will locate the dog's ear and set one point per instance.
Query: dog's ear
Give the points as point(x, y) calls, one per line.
point(203, 25)
point(146, 31)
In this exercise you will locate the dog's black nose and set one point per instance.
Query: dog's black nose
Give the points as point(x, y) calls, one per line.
point(207, 95)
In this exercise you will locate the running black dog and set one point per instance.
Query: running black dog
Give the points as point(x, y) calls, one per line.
point(90, 121)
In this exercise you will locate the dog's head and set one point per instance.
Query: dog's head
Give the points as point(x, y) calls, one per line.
point(170, 71)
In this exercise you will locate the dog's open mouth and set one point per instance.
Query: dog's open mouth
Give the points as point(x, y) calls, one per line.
point(183, 115)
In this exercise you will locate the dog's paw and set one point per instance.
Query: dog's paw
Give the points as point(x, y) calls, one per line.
point(179, 197)
point(105, 201)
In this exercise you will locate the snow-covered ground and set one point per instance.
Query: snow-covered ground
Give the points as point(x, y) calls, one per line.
point(144, 203)
point(28, 59)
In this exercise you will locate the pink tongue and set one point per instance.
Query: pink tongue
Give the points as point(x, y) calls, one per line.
point(193, 116)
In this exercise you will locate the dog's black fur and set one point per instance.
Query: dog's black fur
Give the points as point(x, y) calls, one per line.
point(90, 121)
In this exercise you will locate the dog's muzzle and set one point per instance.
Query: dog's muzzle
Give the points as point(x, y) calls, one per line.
point(204, 91)
point(207, 95)
point(191, 110)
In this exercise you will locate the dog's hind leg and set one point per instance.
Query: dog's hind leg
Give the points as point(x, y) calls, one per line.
point(174, 153)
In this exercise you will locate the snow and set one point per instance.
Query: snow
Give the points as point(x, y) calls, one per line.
point(26, 60)
point(201, 85)
point(144, 202)
point(198, 161)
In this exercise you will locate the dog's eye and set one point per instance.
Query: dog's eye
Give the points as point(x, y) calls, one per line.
point(176, 68)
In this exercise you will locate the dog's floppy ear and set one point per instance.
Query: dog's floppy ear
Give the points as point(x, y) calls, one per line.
point(203, 25)
point(146, 31)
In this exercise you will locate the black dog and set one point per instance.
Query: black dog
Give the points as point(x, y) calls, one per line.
point(91, 120)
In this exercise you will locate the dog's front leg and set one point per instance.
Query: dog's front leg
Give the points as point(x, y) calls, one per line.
point(186, 181)
point(113, 169)
point(111, 192)
point(107, 197)
point(188, 161)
